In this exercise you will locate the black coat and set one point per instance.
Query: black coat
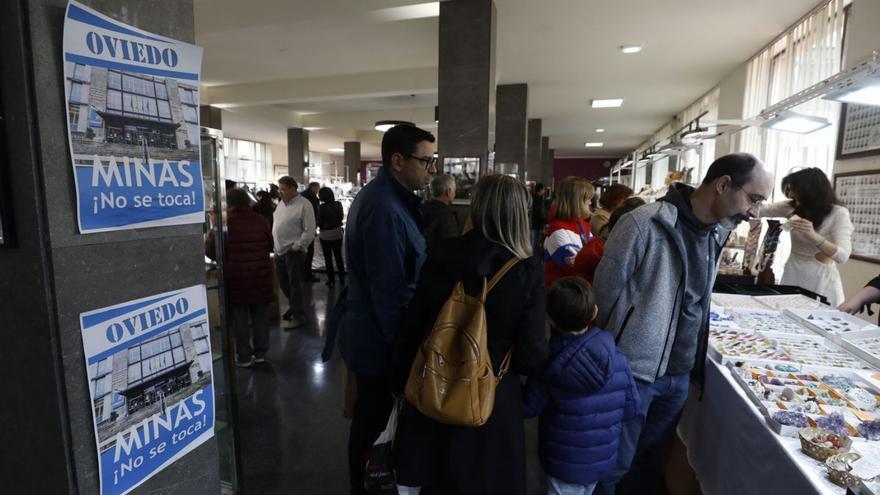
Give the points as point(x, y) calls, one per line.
point(489, 459)
point(330, 216)
point(439, 222)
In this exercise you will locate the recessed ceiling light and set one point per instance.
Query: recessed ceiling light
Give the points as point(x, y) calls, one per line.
point(600, 130)
point(384, 125)
point(336, 150)
point(609, 103)
point(593, 145)
point(631, 48)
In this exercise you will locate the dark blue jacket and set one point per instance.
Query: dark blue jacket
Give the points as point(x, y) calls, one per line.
point(583, 396)
point(385, 251)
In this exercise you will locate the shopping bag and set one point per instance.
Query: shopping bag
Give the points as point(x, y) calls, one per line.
point(379, 478)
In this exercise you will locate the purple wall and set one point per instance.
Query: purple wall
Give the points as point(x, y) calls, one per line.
point(589, 168)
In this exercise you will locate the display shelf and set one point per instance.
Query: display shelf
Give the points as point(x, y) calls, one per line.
point(865, 345)
point(791, 301)
point(736, 301)
point(767, 320)
point(812, 392)
point(831, 321)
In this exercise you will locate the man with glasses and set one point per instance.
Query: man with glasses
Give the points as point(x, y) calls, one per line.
point(385, 251)
point(653, 289)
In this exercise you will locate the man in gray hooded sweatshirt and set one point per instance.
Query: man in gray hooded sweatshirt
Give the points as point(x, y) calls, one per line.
point(653, 289)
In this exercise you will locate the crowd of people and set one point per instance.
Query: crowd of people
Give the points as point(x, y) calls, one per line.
point(606, 312)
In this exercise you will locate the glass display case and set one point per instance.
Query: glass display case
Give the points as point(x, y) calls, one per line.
point(222, 346)
point(465, 171)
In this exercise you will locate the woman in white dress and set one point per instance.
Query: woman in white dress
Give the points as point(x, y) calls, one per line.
point(821, 233)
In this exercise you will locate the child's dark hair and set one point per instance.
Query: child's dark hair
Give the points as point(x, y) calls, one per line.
point(570, 304)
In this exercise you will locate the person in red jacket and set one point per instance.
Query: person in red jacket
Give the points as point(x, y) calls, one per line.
point(568, 232)
point(592, 253)
point(248, 277)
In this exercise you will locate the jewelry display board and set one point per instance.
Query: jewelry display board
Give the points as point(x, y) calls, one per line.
point(860, 194)
point(859, 133)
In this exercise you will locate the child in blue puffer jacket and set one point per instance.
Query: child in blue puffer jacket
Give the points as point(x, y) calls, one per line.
point(583, 396)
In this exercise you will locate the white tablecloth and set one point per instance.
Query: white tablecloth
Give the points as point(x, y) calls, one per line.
point(733, 451)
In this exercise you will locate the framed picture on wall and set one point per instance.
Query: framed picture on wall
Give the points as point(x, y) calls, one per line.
point(859, 131)
point(860, 194)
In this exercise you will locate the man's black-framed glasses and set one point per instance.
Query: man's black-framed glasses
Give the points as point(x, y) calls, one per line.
point(754, 199)
point(425, 160)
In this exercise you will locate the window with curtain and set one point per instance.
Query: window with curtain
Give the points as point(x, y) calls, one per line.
point(808, 53)
point(249, 162)
point(700, 159)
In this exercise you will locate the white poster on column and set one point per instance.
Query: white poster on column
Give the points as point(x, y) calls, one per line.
point(151, 384)
point(133, 124)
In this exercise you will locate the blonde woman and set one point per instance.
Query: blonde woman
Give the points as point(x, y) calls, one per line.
point(488, 459)
point(568, 232)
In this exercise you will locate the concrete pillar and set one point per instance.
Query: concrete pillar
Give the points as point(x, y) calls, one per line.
point(54, 273)
point(547, 157)
point(534, 153)
point(511, 105)
point(210, 117)
point(297, 153)
point(466, 78)
point(353, 162)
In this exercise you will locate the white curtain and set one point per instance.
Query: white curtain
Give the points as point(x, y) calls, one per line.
point(248, 162)
point(802, 57)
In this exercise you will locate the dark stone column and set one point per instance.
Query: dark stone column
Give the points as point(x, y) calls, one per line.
point(466, 78)
point(547, 157)
point(54, 273)
point(511, 105)
point(534, 153)
point(210, 117)
point(297, 153)
point(353, 162)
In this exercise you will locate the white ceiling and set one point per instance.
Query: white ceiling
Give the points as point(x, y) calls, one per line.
point(340, 65)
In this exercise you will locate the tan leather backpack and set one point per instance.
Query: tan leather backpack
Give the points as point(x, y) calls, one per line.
point(451, 379)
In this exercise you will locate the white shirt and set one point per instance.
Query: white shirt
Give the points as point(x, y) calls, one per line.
point(802, 269)
point(293, 225)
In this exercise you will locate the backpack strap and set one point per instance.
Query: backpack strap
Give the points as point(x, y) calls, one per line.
point(505, 364)
point(502, 272)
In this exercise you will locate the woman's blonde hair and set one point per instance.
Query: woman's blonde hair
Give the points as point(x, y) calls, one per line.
point(573, 198)
point(500, 211)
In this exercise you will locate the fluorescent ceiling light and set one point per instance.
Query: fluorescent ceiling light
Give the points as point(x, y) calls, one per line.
point(600, 130)
point(336, 150)
point(609, 103)
point(406, 12)
point(797, 123)
point(594, 145)
point(628, 49)
point(865, 95)
point(384, 125)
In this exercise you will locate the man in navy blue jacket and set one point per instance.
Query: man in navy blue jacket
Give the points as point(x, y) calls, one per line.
point(385, 251)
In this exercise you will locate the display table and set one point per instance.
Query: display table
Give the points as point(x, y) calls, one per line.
point(733, 451)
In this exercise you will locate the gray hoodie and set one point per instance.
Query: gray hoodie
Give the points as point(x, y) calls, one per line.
point(642, 283)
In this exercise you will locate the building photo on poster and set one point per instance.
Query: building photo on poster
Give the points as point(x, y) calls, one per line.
point(133, 124)
point(151, 384)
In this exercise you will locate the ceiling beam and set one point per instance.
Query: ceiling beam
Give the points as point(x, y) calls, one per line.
point(388, 83)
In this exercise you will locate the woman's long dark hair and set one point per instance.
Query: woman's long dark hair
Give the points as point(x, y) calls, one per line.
point(326, 195)
point(815, 196)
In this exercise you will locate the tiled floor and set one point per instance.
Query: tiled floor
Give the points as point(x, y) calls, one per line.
point(293, 435)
